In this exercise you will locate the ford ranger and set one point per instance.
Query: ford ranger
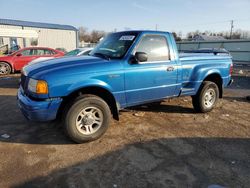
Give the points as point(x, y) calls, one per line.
point(125, 69)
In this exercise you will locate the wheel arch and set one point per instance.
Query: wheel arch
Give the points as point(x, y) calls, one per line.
point(11, 65)
point(99, 91)
point(216, 78)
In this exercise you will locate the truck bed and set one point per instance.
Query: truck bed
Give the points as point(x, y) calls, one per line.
point(195, 65)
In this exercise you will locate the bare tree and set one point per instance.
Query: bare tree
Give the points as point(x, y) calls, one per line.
point(238, 34)
point(176, 37)
point(96, 35)
point(83, 34)
point(92, 37)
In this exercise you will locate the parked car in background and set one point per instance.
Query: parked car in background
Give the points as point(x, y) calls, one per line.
point(62, 50)
point(17, 60)
point(79, 51)
point(75, 52)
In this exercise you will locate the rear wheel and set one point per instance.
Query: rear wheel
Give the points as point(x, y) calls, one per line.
point(5, 68)
point(87, 118)
point(206, 98)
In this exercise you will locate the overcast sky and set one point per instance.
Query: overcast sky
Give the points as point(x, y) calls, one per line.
point(174, 15)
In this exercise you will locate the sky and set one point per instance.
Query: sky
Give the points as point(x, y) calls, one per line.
point(110, 15)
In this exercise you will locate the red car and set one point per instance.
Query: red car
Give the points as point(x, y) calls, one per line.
point(17, 60)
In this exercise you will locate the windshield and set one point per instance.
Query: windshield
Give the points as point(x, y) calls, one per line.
point(73, 52)
point(115, 45)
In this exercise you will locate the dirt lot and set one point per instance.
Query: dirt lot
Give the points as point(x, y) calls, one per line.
point(168, 145)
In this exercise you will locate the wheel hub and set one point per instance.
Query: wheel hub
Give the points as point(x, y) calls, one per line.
point(4, 68)
point(89, 120)
point(209, 98)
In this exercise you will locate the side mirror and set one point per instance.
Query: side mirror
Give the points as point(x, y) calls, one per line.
point(18, 55)
point(141, 56)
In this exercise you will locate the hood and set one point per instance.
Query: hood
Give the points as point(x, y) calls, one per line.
point(5, 58)
point(65, 64)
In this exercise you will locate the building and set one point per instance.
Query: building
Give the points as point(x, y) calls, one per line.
point(207, 38)
point(25, 34)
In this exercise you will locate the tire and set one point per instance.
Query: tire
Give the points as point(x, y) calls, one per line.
point(206, 98)
point(5, 68)
point(87, 118)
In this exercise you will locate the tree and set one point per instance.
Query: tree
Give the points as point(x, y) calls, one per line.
point(176, 37)
point(91, 37)
point(96, 36)
point(83, 34)
point(237, 34)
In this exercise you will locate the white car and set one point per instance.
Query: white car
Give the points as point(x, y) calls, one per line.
point(79, 51)
point(75, 52)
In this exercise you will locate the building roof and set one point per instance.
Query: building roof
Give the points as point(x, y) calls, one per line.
point(208, 38)
point(36, 24)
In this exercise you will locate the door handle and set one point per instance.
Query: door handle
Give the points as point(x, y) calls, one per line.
point(170, 69)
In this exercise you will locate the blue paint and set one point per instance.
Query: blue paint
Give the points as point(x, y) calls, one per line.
point(130, 84)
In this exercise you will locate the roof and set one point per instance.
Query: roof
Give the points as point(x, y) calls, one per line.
point(36, 24)
point(142, 31)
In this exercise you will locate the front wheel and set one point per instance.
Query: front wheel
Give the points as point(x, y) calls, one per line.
point(5, 68)
point(87, 119)
point(206, 98)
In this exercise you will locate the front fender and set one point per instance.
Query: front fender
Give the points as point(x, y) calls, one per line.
point(88, 83)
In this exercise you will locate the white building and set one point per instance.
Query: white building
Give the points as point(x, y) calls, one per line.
point(25, 34)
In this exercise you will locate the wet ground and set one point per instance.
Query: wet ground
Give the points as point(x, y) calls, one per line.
point(166, 145)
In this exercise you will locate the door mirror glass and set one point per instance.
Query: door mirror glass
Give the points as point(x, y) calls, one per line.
point(19, 54)
point(141, 56)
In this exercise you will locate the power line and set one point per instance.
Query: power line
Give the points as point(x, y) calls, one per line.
point(213, 23)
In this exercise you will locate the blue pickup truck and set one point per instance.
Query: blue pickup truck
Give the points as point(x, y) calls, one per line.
point(126, 69)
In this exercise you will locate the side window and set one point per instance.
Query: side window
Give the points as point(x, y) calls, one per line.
point(155, 46)
point(48, 52)
point(52, 52)
point(34, 51)
point(26, 53)
point(39, 52)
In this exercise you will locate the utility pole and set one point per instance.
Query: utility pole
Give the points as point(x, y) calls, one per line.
point(156, 27)
point(231, 30)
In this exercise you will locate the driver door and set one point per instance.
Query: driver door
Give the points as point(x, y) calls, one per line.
point(24, 57)
point(154, 79)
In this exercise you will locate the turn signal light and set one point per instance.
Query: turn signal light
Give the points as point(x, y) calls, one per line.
point(41, 87)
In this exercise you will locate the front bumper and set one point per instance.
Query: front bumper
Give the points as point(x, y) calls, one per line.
point(38, 110)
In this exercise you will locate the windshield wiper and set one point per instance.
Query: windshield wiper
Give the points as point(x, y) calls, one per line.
point(102, 55)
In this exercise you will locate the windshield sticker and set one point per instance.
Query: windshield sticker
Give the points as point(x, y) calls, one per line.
point(127, 37)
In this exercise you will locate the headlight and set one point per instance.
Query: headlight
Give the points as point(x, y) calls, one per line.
point(38, 86)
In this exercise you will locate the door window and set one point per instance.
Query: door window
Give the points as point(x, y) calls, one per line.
point(39, 52)
point(155, 46)
point(26, 53)
point(48, 52)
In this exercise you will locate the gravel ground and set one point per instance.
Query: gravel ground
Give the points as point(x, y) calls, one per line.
point(166, 145)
